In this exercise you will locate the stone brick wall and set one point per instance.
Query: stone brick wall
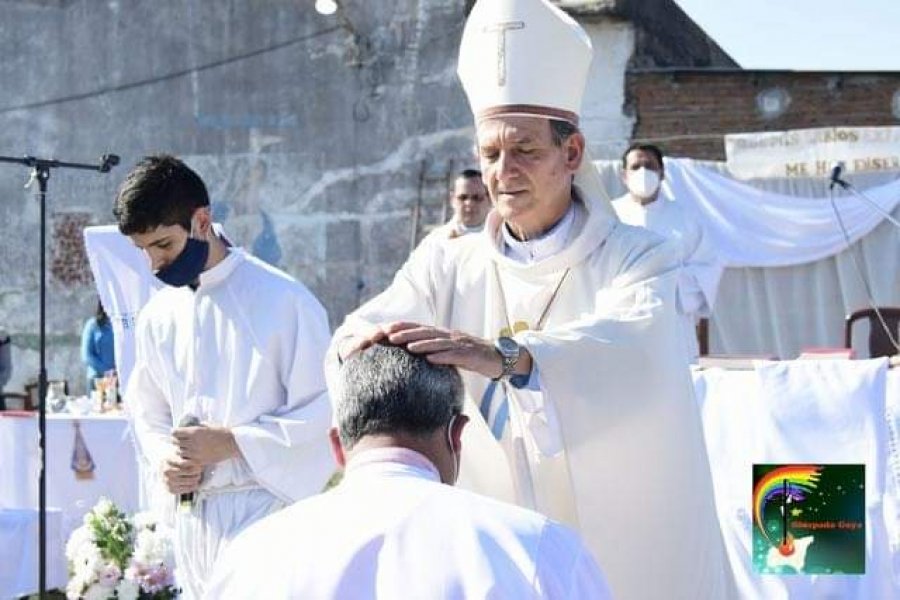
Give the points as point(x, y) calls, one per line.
point(687, 112)
point(318, 137)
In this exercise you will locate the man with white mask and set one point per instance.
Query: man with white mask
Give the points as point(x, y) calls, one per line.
point(643, 172)
point(562, 322)
point(227, 394)
point(395, 527)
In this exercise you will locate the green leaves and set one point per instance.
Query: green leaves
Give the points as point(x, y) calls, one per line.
point(113, 533)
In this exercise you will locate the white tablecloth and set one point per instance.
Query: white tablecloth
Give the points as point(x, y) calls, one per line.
point(107, 438)
point(730, 403)
point(844, 414)
point(19, 552)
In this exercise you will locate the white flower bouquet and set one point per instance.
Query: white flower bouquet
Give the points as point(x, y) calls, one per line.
point(114, 556)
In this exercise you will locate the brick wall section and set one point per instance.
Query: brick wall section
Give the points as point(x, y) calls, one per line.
point(688, 112)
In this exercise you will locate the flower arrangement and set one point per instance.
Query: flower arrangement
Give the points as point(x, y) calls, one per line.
point(114, 556)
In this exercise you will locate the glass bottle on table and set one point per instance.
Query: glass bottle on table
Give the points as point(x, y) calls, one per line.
point(112, 390)
point(56, 398)
point(98, 394)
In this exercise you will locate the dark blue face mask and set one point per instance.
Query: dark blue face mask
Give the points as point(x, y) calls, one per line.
point(187, 266)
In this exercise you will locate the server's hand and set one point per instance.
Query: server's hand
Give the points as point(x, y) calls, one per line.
point(181, 476)
point(205, 445)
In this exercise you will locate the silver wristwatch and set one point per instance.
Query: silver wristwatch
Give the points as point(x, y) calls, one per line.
point(509, 350)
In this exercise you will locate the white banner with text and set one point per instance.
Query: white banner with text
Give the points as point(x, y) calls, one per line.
point(812, 152)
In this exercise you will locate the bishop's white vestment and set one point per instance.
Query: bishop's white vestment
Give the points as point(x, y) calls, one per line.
point(243, 351)
point(391, 530)
point(698, 280)
point(610, 440)
point(452, 229)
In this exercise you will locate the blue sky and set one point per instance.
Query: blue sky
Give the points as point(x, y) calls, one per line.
point(806, 35)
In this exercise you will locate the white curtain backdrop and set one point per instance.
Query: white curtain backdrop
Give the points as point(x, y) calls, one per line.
point(802, 281)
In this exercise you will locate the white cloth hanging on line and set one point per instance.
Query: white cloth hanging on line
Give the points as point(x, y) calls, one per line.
point(755, 228)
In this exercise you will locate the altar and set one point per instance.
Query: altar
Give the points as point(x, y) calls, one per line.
point(829, 412)
point(70, 495)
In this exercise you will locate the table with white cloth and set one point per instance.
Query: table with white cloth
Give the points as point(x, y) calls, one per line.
point(19, 547)
point(107, 438)
point(806, 412)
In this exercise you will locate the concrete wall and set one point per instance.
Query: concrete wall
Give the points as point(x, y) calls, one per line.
point(668, 37)
point(629, 35)
point(320, 138)
point(605, 126)
point(317, 142)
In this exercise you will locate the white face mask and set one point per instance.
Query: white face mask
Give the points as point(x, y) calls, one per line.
point(642, 183)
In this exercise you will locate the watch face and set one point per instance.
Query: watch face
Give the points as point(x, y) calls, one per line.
point(507, 346)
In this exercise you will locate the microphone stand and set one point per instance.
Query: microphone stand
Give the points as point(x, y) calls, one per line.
point(836, 180)
point(40, 172)
point(847, 186)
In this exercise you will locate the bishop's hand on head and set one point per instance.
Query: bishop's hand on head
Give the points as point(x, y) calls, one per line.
point(455, 348)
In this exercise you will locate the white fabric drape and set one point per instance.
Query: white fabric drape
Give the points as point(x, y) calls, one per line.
point(19, 552)
point(758, 228)
point(835, 413)
point(780, 310)
point(124, 283)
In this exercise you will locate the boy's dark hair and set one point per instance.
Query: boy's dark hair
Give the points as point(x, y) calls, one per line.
point(159, 190)
point(100, 315)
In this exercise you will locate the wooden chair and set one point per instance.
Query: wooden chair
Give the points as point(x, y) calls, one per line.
point(703, 336)
point(14, 401)
point(879, 342)
point(31, 393)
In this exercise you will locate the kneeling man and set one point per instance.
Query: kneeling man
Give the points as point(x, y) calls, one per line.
point(395, 527)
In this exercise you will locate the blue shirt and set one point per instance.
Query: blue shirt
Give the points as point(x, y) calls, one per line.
point(97, 349)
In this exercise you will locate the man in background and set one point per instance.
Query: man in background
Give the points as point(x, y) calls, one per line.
point(395, 527)
point(98, 351)
point(643, 173)
point(470, 202)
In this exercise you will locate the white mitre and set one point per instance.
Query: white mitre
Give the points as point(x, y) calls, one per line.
point(528, 58)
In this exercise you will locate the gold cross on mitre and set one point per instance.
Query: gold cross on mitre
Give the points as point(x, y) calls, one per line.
point(500, 29)
point(538, 59)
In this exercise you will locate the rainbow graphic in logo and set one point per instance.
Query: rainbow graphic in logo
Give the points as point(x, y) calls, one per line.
point(790, 483)
point(809, 519)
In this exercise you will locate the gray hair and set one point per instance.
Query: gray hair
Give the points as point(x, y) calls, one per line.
point(560, 131)
point(386, 389)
